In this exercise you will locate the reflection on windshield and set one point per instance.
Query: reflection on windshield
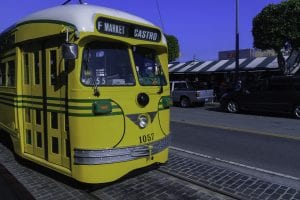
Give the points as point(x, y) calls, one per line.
point(106, 64)
point(148, 67)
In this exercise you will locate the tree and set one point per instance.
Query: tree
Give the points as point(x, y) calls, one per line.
point(173, 47)
point(277, 27)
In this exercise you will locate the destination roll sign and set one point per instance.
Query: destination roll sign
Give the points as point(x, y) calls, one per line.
point(114, 27)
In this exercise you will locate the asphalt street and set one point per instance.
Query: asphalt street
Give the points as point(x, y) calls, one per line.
point(266, 152)
point(259, 123)
point(248, 140)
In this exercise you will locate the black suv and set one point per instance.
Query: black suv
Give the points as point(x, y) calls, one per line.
point(279, 94)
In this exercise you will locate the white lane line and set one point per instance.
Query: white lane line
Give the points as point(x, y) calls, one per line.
point(236, 164)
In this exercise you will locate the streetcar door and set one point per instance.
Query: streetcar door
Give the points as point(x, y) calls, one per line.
point(58, 142)
point(32, 101)
point(43, 102)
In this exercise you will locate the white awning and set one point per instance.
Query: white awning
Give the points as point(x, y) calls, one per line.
point(248, 64)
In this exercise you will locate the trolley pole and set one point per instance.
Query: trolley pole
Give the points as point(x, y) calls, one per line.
point(237, 43)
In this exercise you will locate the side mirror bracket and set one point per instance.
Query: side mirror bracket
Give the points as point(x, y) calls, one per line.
point(69, 51)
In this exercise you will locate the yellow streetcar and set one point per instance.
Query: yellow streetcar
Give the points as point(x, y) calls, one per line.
point(84, 90)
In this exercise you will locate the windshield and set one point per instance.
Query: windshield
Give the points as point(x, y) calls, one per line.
point(148, 67)
point(106, 64)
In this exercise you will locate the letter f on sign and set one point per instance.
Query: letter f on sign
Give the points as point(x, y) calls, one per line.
point(99, 25)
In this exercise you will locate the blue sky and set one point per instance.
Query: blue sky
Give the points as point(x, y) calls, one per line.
point(203, 27)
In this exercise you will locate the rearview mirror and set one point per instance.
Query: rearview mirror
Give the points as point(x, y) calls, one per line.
point(69, 51)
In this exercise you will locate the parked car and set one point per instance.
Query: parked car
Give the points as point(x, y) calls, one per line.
point(188, 93)
point(279, 94)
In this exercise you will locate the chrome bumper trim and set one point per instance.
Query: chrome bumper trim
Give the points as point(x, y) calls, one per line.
point(106, 156)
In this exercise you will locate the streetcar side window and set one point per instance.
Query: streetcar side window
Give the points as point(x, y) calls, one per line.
point(39, 142)
point(106, 64)
point(28, 137)
point(54, 120)
point(53, 66)
point(26, 69)
point(148, 67)
point(2, 74)
point(37, 67)
point(11, 73)
point(38, 116)
point(55, 145)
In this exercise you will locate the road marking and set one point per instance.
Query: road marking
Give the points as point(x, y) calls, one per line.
point(236, 164)
point(239, 130)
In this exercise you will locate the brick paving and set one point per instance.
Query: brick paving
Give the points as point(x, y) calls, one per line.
point(229, 181)
point(155, 185)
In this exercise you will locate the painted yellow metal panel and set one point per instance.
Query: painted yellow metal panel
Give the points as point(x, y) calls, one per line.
point(31, 31)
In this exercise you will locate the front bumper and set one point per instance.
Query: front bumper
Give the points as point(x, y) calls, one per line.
point(115, 155)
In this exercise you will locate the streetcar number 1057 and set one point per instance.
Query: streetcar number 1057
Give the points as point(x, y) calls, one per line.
point(146, 138)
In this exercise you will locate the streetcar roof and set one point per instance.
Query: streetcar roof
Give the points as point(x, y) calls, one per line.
point(81, 16)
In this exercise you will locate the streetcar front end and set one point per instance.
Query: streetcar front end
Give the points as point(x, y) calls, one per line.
point(119, 101)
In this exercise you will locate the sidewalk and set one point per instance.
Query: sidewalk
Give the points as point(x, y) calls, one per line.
point(10, 188)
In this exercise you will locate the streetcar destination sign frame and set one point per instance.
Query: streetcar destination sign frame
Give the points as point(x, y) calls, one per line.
point(124, 29)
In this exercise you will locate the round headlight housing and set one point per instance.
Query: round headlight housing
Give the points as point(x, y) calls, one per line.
point(142, 121)
point(143, 99)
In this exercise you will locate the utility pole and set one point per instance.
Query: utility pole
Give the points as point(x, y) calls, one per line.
point(237, 43)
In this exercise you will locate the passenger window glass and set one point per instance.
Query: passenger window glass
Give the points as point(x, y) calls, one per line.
point(39, 142)
point(26, 69)
point(38, 117)
point(54, 120)
point(37, 67)
point(28, 137)
point(148, 66)
point(67, 145)
point(11, 73)
point(53, 66)
point(106, 64)
point(55, 145)
point(3, 74)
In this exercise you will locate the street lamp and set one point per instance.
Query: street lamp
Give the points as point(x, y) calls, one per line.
point(237, 43)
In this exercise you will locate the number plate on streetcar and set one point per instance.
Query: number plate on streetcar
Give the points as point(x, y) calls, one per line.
point(146, 138)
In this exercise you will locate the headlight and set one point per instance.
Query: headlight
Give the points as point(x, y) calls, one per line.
point(143, 121)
